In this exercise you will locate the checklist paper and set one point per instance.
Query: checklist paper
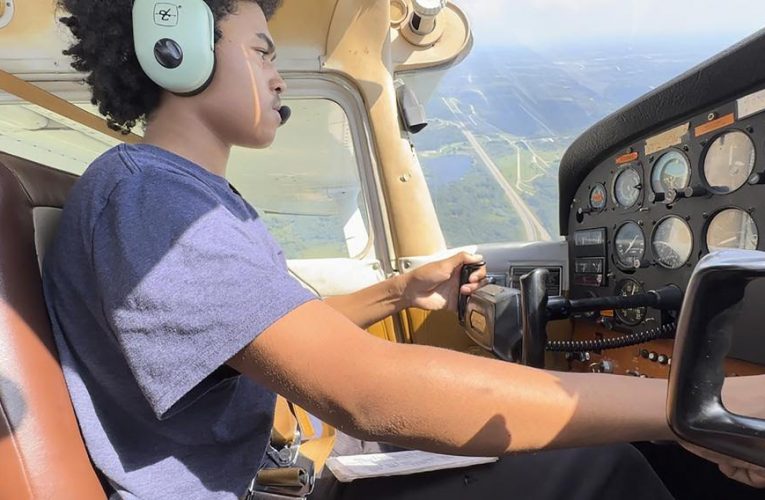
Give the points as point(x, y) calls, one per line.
point(400, 463)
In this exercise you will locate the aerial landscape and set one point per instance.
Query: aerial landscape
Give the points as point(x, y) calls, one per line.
point(501, 121)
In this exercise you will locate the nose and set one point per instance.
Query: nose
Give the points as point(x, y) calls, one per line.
point(278, 85)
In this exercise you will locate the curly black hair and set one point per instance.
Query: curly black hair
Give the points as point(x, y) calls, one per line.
point(103, 49)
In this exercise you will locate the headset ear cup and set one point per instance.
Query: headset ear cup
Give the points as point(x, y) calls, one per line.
point(175, 43)
point(204, 85)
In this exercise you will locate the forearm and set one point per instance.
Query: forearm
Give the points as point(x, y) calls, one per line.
point(444, 401)
point(452, 403)
point(372, 304)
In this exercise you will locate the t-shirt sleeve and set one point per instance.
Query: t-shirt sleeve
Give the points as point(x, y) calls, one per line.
point(184, 283)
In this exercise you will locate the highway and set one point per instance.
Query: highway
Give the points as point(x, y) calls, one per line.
point(535, 230)
point(533, 227)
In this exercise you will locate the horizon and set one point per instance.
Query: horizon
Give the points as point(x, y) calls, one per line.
point(545, 23)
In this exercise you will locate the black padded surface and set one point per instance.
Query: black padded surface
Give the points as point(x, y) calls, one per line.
point(728, 75)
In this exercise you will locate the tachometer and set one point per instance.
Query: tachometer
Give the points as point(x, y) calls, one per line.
point(672, 171)
point(598, 197)
point(636, 315)
point(672, 242)
point(627, 187)
point(729, 162)
point(630, 245)
point(732, 228)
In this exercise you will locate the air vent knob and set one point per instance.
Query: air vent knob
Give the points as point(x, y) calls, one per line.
point(428, 8)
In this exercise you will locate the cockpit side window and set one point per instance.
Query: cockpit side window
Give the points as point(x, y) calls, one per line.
point(311, 186)
point(40, 135)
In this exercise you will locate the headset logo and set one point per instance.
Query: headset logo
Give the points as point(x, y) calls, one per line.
point(165, 14)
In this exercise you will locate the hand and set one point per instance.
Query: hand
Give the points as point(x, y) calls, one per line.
point(743, 472)
point(741, 396)
point(435, 286)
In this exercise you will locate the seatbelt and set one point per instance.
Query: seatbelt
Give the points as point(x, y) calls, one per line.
point(35, 95)
point(296, 457)
point(289, 420)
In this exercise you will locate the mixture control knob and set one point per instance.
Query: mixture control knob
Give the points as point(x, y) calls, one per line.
point(652, 356)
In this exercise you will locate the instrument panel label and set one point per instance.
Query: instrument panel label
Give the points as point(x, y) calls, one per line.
point(667, 139)
point(751, 104)
point(721, 122)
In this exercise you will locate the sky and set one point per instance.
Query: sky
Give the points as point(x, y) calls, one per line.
point(533, 22)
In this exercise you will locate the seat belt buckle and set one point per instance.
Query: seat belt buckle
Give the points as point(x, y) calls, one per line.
point(283, 482)
point(287, 455)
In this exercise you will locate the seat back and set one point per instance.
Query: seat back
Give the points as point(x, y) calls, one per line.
point(42, 454)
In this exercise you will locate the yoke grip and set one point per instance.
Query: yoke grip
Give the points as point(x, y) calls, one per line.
point(465, 272)
point(704, 332)
point(534, 312)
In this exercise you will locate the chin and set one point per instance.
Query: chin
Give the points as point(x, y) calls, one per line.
point(259, 141)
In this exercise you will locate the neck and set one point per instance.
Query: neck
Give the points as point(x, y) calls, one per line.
point(175, 129)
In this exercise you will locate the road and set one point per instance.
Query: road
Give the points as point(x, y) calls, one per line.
point(533, 227)
point(535, 230)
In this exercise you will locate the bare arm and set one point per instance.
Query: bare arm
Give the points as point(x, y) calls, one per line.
point(372, 304)
point(433, 286)
point(443, 401)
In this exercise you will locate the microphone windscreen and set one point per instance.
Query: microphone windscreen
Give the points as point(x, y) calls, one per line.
point(285, 112)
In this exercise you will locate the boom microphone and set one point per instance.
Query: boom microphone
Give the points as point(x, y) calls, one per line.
point(285, 112)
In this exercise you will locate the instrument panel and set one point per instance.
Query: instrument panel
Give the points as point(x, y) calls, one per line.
point(644, 217)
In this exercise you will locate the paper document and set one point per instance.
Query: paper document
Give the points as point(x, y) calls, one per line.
point(399, 463)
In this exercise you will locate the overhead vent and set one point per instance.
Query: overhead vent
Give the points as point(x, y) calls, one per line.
point(6, 12)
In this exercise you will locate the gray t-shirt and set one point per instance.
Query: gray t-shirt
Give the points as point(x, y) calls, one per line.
point(158, 275)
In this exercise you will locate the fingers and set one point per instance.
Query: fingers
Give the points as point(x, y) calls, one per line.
point(463, 258)
point(734, 468)
point(468, 258)
point(474, 280)
point(744, 475)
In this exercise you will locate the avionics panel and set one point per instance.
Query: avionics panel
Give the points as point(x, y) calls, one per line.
point(644, 217)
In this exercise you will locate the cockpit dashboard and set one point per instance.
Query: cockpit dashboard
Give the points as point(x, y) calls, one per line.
point(642, 216)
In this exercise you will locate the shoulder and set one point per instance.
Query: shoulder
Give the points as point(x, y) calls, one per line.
point(146, 178)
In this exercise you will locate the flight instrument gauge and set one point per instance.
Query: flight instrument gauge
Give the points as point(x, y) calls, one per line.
point(729, 162)
point(672, 242)
point(672, 171)
point(627, 187)
point(598, 197)
point(732, 228)
point(635, 315)
point(629, 245)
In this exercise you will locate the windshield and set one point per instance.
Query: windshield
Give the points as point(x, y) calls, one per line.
point(540, 73)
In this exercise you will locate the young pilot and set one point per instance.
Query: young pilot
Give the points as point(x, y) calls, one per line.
point(176, 319)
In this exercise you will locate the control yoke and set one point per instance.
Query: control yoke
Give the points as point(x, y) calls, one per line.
point(704, 331)
point(512, 323)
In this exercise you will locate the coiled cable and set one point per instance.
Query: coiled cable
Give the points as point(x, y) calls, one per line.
point(666, 331)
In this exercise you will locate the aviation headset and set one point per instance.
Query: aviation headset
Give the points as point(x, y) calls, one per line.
point(175, 45)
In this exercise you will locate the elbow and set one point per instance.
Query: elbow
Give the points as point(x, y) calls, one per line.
point(373, 419)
